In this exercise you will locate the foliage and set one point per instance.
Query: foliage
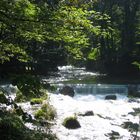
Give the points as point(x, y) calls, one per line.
point(42, 33)
point(12, 128)
point(118, 41)
point(34, 27)
point(36, 101)
point(71, 122)
point(12, 123)
point(3, 98)
point(20, 97)
point(136, 64)
point(46, 112)
point(11, 27)
point(48, 86)
point(29, 85)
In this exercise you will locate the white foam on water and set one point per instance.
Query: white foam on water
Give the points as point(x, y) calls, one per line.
point(70, 72)
point(108, 116)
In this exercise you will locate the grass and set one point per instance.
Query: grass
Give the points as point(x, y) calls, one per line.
point(36, 101)
point(46, 112)
point(71, 122)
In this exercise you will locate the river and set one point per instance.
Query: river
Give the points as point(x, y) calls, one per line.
point(109, 115)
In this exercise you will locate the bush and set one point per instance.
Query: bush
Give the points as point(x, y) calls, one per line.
point(3, 98)
point(48, 86)
point(29, 85)
point(46, 112)
point(20, 97)
point(12, 128)
point(12, 125)
point(71, 123)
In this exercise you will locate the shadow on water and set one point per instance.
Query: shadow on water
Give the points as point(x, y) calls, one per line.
point(104, 79)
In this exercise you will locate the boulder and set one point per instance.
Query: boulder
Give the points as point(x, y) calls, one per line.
point(87, 113)
point(71, 123)
point(67, 90)
point(111, 97)
point(132, 100)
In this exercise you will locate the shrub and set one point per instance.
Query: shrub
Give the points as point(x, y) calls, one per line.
point(12, 128)
point(29, 85)
point(46, 112)
point(36, 101)
point(3, 98)
point(71, 123)
point(20, 97)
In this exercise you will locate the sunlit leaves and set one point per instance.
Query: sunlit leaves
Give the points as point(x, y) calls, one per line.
point(73, 26)
point(136, 64)
point(70, 25)
point(94, 54)
point(9, 50)
point(25, 9)
point(17, 28)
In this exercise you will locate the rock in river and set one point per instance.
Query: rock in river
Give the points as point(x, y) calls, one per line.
point(67, 90)
point(87, 113)
point(111, 97)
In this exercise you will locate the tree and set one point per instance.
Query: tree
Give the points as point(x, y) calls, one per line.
point(28, 27)
point(120, 49)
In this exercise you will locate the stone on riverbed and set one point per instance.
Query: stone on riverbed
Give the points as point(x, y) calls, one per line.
point(132, 127)
point(87, 113)
point(111, 97)
point(132, 100)
point(113, 135)
point(67, 90)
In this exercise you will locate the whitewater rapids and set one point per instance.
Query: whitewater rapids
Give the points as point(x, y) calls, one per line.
point(109, 115)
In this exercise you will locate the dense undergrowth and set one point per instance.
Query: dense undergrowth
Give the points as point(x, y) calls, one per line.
point(13, 118)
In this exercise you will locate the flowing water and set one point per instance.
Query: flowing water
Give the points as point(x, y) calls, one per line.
point(66, 73)
point(109, 115)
